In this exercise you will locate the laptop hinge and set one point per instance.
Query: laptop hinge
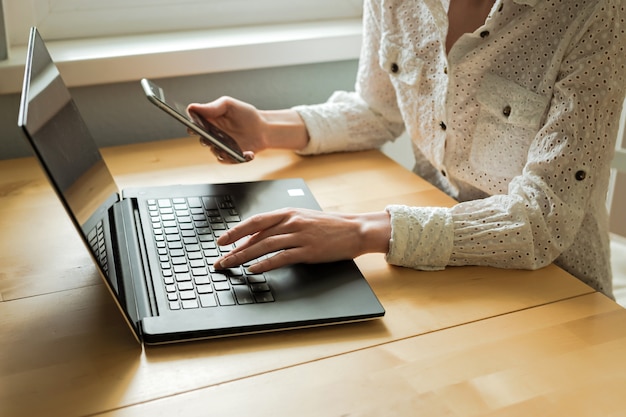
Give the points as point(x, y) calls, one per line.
point(131, 255)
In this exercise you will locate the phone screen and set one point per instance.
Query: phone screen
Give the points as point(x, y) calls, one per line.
point(207, 130)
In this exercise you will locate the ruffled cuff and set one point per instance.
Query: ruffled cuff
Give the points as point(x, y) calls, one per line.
point(326, 127)
point(421, 237)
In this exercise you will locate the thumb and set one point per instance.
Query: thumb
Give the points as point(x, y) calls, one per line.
point(208, 111)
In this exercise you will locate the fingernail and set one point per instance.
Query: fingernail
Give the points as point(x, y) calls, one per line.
point(222, 263)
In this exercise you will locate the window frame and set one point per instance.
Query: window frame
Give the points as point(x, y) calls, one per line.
point(125, 58)
point(81, 19)
point(4, 44)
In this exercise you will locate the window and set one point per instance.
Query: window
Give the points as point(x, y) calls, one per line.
point(3, 44)
point(79, 19)
point(108, 41)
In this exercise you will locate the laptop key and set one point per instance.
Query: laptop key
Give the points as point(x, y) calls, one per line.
point(238, 281)
point(164, 202)
point(204, 289)
point(202, 280)
point(256, 278)
point(172, 238)
point(195, 255)
point(177, 252)
point(196, 263)
point(173, 245)
point(233, 272)
point(217, 277)
point(187, 295)
point(208, 300)
point(221, 286)
point(193, 248)
point(181, 269)
point(183, 277)
point(260, 287)
point(209, 203)
point(187, 304)
point(185, 286)
point(194, 202)
point(263, 297)
point(226, 298)
point(243, 295)
point(199, 272)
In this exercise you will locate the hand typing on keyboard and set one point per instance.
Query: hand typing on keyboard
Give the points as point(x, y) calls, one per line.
point(185, 230)
point(303, 236)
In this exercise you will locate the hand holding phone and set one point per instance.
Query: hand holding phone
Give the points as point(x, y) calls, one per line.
point(209, 133)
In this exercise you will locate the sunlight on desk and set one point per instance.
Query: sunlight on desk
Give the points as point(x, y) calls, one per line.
point(463, 341)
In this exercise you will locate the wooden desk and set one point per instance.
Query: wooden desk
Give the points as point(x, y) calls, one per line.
point(64, 350)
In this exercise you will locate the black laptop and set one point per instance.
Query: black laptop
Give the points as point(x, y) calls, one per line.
point(155, 246)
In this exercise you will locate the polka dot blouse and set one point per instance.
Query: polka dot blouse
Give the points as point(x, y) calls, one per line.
point(517, 122)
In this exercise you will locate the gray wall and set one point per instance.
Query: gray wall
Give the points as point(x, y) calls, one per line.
point(120, 113)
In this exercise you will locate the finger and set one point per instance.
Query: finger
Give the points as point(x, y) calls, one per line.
point(280, 259)
point(249, 251)
point(253, 227)
point(248, 155)
point(220, 155)
point(216, 152)
point(212, 110)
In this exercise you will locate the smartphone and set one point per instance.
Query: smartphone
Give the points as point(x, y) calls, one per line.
point(208, 131)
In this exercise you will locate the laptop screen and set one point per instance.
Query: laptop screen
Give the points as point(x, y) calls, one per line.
point(68, 155)
point(57, 133)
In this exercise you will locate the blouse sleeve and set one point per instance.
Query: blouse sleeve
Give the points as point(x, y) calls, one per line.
point(363, 119)
point(565, 176)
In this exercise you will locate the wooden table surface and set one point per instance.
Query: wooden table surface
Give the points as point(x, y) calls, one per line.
point(463, 341)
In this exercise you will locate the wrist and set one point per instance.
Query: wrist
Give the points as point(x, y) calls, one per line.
point(375, 232)
point(284, 129)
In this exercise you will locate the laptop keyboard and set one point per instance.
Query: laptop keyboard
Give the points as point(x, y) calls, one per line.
point(186, 230)
point(97, 243)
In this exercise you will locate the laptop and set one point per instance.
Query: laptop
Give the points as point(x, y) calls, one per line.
point(154, 246)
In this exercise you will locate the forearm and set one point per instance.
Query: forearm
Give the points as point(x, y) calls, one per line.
point(284, 129)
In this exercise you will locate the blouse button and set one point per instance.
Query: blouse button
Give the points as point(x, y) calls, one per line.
point(443, 126)
point(395, 68)
point(581, 175)
point(506, 111)
point(484, 34)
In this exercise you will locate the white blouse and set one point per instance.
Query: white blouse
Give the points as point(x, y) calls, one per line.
point(518, 123)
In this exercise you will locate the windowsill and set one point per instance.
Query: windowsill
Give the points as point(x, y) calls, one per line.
point(120, 59)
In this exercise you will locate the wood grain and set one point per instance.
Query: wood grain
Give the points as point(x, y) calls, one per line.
point(65, 350)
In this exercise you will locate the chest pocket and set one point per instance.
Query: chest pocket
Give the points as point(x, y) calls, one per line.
point(509, 118)
point(400, 63)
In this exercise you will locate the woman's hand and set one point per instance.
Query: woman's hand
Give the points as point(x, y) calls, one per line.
point(240, 120)
point(254, 130)
point(304, 236)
